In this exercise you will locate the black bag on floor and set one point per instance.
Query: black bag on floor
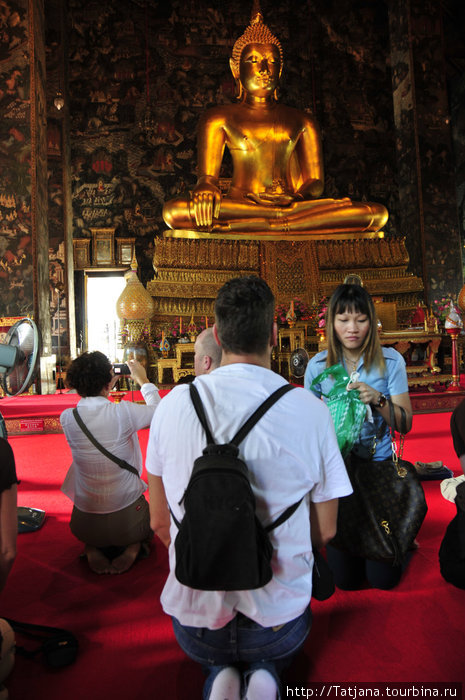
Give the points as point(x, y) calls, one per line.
point(58, 646)
point(221, 545)
point(452, 549)
point(383, 515)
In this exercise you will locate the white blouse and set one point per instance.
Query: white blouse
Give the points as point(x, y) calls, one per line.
point(94, 483)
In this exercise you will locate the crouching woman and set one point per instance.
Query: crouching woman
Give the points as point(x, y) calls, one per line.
point(110, 513)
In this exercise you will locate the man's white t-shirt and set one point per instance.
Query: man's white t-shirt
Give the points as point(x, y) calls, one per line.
point(291, 453)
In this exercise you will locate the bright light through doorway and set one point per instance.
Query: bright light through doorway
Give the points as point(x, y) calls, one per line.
point(103, 323)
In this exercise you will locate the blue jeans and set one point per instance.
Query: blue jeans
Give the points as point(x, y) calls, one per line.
point(244, 644)
point(351, 572)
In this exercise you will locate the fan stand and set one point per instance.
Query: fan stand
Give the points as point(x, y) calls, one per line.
point(59, 369)
point(19, 357)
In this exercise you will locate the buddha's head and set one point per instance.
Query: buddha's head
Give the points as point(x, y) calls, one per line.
point(257, 59)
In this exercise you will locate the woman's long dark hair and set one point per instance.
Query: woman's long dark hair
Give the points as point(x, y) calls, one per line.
point(353, 298)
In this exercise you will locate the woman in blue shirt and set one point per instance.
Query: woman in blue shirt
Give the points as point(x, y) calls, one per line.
point(378, 373)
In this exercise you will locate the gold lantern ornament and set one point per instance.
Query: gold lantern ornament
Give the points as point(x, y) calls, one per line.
point(135, 309)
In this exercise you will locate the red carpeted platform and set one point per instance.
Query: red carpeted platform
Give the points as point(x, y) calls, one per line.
point(32, 414)
point(35, 413)
point(414, 633)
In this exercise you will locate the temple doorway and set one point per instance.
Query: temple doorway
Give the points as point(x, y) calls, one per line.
point(102, 323)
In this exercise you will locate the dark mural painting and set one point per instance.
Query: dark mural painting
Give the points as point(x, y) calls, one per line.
point(141, 73)
point(15, 162)
point(458, 133)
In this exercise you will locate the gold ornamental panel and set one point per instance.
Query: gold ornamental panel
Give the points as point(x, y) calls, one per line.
point(205, 254)
point(326, 235)
point(362, 253)
point(191, 284)
point(291, 270)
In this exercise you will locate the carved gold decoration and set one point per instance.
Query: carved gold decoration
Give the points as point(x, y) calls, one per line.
point(260, 235)
point(33, 425)
point(191, 271)
point(291, 338)
point(387, 314)
point(291, 270)
point(200, 255)
point(181, 350)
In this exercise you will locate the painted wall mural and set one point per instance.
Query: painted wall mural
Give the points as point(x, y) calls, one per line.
point(16, 276)
point(141, 72)
point(457, 91)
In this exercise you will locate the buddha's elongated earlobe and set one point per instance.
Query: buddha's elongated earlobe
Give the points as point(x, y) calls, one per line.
point(235, 71)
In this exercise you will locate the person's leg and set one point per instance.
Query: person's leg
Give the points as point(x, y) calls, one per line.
point(125, 560)
point(268, 651)
point(132, 528)
point(261, 685)
point(348, 570)
point(214, 650)
point(243, 642)
point(128, 529)
point(97, 560)
point(7, 654)
point(226, 685)
point(383, 575)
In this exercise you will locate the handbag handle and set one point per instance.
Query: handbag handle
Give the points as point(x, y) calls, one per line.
point(397, 453)
point(403, 419)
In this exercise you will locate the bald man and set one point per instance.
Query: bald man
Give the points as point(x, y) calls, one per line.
point(207, 353)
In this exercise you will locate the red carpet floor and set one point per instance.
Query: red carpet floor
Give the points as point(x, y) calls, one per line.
point(414, 633)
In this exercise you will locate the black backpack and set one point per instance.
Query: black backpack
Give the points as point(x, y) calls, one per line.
point(221, 545)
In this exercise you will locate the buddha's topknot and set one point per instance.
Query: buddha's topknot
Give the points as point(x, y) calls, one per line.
point(256, 33)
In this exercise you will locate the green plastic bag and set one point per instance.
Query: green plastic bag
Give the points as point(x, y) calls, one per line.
point(347, 410)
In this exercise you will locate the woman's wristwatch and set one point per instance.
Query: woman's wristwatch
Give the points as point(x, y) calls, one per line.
point(381, 401)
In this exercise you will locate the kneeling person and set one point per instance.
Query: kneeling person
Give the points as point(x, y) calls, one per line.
point(110, 513)
point(292, 455)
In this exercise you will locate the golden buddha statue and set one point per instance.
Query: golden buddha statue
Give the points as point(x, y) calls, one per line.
point(277, 160)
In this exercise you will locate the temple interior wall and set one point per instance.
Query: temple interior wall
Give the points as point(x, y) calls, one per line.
point(136, 76)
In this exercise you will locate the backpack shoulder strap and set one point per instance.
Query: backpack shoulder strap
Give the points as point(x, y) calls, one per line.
point(284, 516)
point(240, 435)
point(120, 462)
point(249, 424)
point(259, 412)
point(247, 427)
point(198, 405)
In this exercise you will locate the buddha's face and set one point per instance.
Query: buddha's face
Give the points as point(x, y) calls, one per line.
point(260, 69)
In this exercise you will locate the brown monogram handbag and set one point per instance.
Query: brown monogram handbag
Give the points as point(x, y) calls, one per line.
point(383, 515)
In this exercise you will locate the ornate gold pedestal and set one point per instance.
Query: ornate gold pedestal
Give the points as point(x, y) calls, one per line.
point(189, 271)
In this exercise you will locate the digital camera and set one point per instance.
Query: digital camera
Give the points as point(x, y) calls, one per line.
point(121, 368)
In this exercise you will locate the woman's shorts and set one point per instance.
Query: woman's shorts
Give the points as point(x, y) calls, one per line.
point(121, 528)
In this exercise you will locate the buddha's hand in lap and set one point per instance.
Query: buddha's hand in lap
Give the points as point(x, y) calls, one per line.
point(271, 199)
point(205, 205)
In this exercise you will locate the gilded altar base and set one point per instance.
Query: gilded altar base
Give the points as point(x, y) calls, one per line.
point(190, 271)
